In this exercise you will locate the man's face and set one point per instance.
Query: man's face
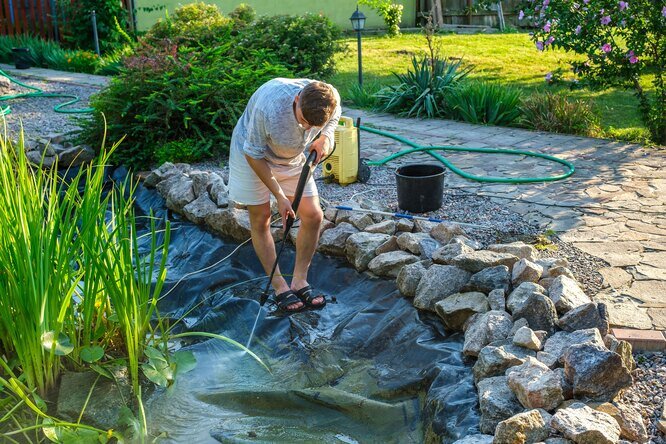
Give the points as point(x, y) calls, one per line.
point(298, 113)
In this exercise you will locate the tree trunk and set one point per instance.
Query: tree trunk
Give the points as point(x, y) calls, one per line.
point(436, 13)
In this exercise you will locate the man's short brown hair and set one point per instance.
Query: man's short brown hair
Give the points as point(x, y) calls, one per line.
point(318, 103)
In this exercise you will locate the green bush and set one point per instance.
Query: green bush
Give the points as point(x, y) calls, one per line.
point(483, 103)
point(242, 15)
point(421, 92)
point(556, 113)
point(195, 24)
point(306, 44)
point(363, 97)
point(390, 12)
point(78, 32)
point(167, 93)
point(187, 150)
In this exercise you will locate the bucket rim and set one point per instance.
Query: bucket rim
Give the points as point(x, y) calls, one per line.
point(440, 173)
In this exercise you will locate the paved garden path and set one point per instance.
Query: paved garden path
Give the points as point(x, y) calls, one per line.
point(613, 207)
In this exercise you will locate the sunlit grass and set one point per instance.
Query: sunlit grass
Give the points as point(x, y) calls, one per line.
point(509, 59)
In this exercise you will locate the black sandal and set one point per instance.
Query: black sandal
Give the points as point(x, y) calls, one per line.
point(284, 300)
point(307, 296)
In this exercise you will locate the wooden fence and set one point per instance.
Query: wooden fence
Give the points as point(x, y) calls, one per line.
point(43, 18)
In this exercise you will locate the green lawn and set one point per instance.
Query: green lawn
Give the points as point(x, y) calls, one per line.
point(508, 58)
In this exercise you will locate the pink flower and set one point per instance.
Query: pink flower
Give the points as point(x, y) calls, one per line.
point(539, 46)
point(623, 5)
point(586, 1)
point(546, 3)
point(606, 48)
point(632, 57)
point(605, 20)
point(549, 77)
point(521, 15)
point(550, 40)
point(546, 27)
point(578, 29)
point(576, 6)
point(663, 11)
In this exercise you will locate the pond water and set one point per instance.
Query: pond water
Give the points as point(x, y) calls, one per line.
point(367, 368)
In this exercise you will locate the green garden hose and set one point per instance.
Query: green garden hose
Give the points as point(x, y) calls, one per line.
point(40, 93)
point(431, 150)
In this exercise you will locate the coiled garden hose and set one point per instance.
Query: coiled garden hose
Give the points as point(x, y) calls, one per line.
point(40, 93)
point(431, 151)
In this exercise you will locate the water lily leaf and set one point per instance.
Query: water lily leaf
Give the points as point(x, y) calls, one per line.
point(91, 353)
point(62, 344)
point(185, 361)
point(155, 355)
point(154, 375)
point(52, 433)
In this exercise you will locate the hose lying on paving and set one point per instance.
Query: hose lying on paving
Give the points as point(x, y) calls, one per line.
point(40, 93)
point(431, 151)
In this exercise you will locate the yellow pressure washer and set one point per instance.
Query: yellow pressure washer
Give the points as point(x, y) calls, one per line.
point(344, 165)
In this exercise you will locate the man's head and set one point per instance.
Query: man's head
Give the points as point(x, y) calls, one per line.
point(315, 104)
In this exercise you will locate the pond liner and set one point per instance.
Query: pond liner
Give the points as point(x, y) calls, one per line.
point(367, 368)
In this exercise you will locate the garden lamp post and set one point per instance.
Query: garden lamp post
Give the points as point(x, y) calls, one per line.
point(358, 23)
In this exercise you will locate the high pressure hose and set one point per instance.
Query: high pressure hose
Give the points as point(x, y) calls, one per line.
point(431, 151)
point(40, 93)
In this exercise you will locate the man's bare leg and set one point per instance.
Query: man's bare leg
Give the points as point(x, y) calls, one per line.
point(311, 216)
point(264, 246)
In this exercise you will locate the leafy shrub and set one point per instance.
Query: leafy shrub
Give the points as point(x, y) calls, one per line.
point(390, 12)
point(622, 40)
point(78, 60)
point(421, 92)
point(363, 97)
point(482, 102)
point(242, 15)
point(187, 150)
point(193, 24)
point(78, 26)
point(166, 93)
point(306, 44)
point(556, 113)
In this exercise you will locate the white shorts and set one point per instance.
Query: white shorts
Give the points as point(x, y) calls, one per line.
point(246, 188)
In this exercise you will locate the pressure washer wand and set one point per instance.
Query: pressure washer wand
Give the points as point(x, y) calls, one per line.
point(411, 217)
point(307, 170)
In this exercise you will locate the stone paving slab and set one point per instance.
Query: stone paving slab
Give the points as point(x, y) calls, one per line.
point(51, 75)
point(613, 207)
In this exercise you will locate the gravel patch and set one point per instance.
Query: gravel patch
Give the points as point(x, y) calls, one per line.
point(647, 394)
point(36, 114)
point(583, 265)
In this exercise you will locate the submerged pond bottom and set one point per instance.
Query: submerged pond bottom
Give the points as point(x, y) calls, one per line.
point(367, 368)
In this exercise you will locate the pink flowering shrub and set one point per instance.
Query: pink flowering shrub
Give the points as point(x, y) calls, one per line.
point(621, 41)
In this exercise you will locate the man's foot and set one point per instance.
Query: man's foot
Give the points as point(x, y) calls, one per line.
point(306, 295)
point(287, 301)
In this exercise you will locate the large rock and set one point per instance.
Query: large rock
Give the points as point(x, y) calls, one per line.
point(519, 249)
point(200, 208)
point(484, 328)
point(423, 226)
point(361, 221)
point(409, 278)
point(590, 315)
point(454, 310)
point(520, 294)
point(496, 300)
point(438, 282)
point(566, 294)
point(494, 359)
point(478, 260)
point(230, 222)
point(163, 172)
point(404, 225)
point(496, 403)
point(75, 155)
point(384, 227)
point(490, 279)
point(390, 245)
point(200, 182)
point(525, 271)
point(418, 243)
point(389, 264)
point(334, 240)
point(535, 385)
point(539, 311)
point(103, 408)
point(177, 190)
point(524, 428)
point(444, 255)
point(525, 337)
point(567, 388)
point(584, 425)
point(445, 231)
point(622, 348)
point(595, 372)
point(218, 190)
point(630, 421)
point(360, 248)
point(559, 343)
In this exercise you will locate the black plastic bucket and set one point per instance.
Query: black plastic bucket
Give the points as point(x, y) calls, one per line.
point(22, 58)
point(420, 187)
